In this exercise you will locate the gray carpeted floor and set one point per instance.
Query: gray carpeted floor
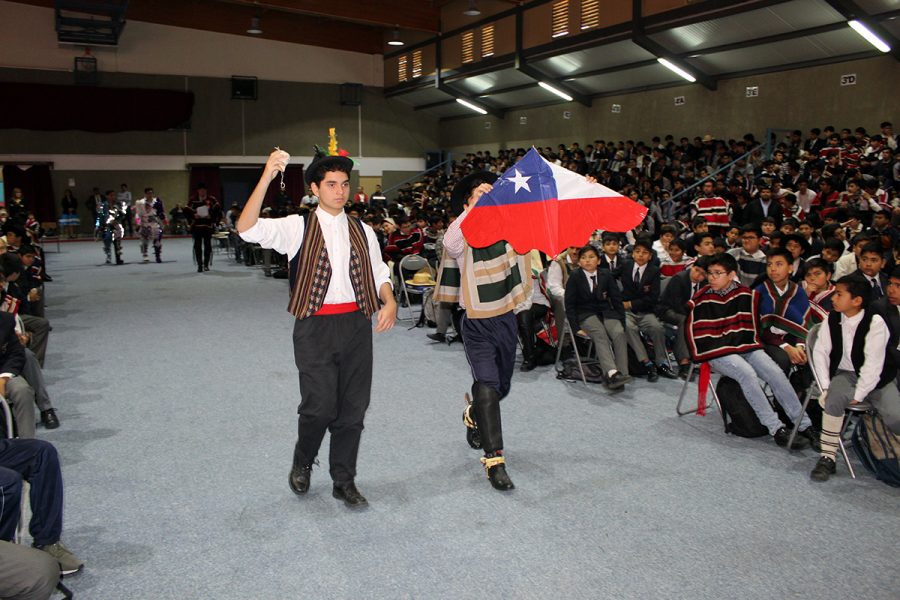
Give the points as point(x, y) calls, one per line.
point(177, 394)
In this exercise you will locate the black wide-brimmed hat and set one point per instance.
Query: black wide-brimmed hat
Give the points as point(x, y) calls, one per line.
point(331, 163)
point(463, 189)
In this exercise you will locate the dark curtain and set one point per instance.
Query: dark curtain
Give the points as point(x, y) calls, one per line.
point(36, 186)
point(210, 176)
point(294, 188)
point(44, 107)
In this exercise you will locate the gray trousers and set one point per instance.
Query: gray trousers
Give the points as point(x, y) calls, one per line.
point(39, 328)
point(677, 319)
point(559, 315)
point(885, 400)
point(26, 573)
point(34, 375)
point(21, 402)
point(443, 316)
point(650, 325)
point(609, 340)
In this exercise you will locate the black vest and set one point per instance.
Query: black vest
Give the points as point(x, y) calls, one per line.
point(857, 352)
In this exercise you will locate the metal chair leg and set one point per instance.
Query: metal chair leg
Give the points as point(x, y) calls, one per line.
point(843, 448)
point(797, 423)
point(710, 389)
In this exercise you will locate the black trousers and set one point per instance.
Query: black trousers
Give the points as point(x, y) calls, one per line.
point(334, 357)
point(202, 246)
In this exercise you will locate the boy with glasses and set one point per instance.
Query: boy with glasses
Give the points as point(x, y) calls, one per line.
point(751, 260)
point(722, 331)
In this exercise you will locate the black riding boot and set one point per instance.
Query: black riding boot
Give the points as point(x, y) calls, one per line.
point(486, 402)
point(526, 332)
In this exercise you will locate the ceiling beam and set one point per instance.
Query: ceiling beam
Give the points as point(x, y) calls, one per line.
point(851, 10)
point(405, 14)
point(771, 39)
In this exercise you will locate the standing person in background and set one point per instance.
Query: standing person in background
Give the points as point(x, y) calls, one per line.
point(337, 279)
point(125, 201)
point(17, 208)
point(68, 219)
point(203, 212)
point(149, 218)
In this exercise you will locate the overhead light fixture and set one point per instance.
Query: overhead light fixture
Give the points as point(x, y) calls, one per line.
point(873, 39)
point(676, 69)
point(396, 41)
point(558, 92)
point(254, 26)
point(472, 11)
point(471, 106)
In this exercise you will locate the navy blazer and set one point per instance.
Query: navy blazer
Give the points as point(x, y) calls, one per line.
point(645, 297)
point(604, 302)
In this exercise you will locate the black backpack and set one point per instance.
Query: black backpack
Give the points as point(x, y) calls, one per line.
point(737, 414)
point(878, 449)
point(569, 370)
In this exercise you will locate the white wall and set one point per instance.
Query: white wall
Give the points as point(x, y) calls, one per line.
point(29, 41)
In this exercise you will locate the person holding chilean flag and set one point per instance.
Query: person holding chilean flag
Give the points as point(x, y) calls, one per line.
point(533, 205)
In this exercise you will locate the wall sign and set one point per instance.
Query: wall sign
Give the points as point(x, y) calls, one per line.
point(679, 100)
point(616, 108)
point(752, 91)
point(848, 79)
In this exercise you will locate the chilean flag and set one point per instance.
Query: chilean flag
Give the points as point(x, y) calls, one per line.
point(538, 205)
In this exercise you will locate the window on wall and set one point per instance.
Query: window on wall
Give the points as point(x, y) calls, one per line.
point(401, 69)
point(417, 63)
point(560, 24)
point(468, 47)
point(487, 41)
point(590, 13)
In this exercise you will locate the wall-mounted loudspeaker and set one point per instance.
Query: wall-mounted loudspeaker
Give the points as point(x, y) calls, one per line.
point(243, 88)
point(351, 94)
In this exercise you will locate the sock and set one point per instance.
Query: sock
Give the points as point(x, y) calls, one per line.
point(831, 431)
point(612, 372)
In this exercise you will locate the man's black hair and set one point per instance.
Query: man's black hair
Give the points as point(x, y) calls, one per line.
point(834, 244)
point(724, 260)
point(14, 228)
point(857, 286)
point(10, 263)
point(681, 243)
point(819, 263)
point(643, 243)
point(871, 248)
point(699, 237)
point(26, 249)
point(782, 252)
point(587, 248)
point(751, 228)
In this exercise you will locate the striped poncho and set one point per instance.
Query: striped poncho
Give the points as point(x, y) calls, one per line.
point(722, 323)
point(790, 312)
point(494, 281)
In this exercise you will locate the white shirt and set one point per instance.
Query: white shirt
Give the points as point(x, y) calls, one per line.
point(845, 265)
point(638, 272)
point(592, 279)
point(285, 236)
point(555, 278)
point(874, 351)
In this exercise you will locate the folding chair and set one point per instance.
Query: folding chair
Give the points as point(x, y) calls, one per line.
point(413, 263)
point(711, 389)
point(567, 330)
point(859, 409)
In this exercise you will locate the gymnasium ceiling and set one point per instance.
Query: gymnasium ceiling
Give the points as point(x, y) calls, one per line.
point(711, 39)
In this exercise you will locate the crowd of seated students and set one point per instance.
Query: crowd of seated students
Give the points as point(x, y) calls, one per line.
point(27, 572)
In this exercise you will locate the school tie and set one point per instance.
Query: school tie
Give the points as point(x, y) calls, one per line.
point(612, 265)
point(694, 289)
point(876, 289)
point(637, 278)
point(593, 283)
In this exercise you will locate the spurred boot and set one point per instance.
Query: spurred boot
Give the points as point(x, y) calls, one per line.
point(486, 402)
point(473, 437)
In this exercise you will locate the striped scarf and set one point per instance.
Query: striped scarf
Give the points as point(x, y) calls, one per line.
point(448, 280)
point(314, 271)
point(495, 280)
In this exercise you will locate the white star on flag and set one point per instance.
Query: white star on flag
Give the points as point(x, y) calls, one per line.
point(520, 180)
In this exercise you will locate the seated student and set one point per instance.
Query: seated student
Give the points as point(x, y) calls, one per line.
point(832, 251)
point(34, 375)
point(720, 245)
point(594, 305)
point(704, 244)
point(733, 237)
point(36, 462)
point(667, 233)
point(767, 227)
point(677, 260)
point(807, 230)
point(751, 260)
point(698, 226)
point(528, 315)
point(557, 277)
point(723, 329)
point(889, 309)
point(849, 263)
point(640, 294)
point(797, 245)
point(13, 386)
point(849, 359)
point(818, 286)
point(30, 282)
point(26, 573)
point(611, 259)
point(12, 300)
point(673, 307)
point(871, 262)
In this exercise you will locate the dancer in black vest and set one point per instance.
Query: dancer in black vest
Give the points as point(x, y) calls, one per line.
point(336, 268)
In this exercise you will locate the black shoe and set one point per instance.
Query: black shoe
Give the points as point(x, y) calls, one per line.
point(824, 469)
point(119, 261)
point(349, 494)
point(616, 381)
point(783, 435)
point(527, 365)
point(49, 418)
point(652, 373)
point(497, 474)
point(299, 478)
point(199, 269)
point(206, 267)
point(683, 371)
point(430, 324)
point(47, 277)
point(812, 435)
point(666, 372)
point(158, 259)
point(437, 337)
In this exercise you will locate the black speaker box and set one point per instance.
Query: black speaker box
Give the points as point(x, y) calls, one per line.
point(351, 94)
point(243, 88)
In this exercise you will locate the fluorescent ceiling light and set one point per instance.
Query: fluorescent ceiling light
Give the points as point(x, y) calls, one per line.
point(559, 93)
point(676, 69)
point(873, 39)
point(396, 41)
point(467, 104)
point(254, 26)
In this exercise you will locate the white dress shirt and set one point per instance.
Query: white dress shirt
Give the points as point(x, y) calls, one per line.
point(874, 351)
point(555, 279)
point(285, 236)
